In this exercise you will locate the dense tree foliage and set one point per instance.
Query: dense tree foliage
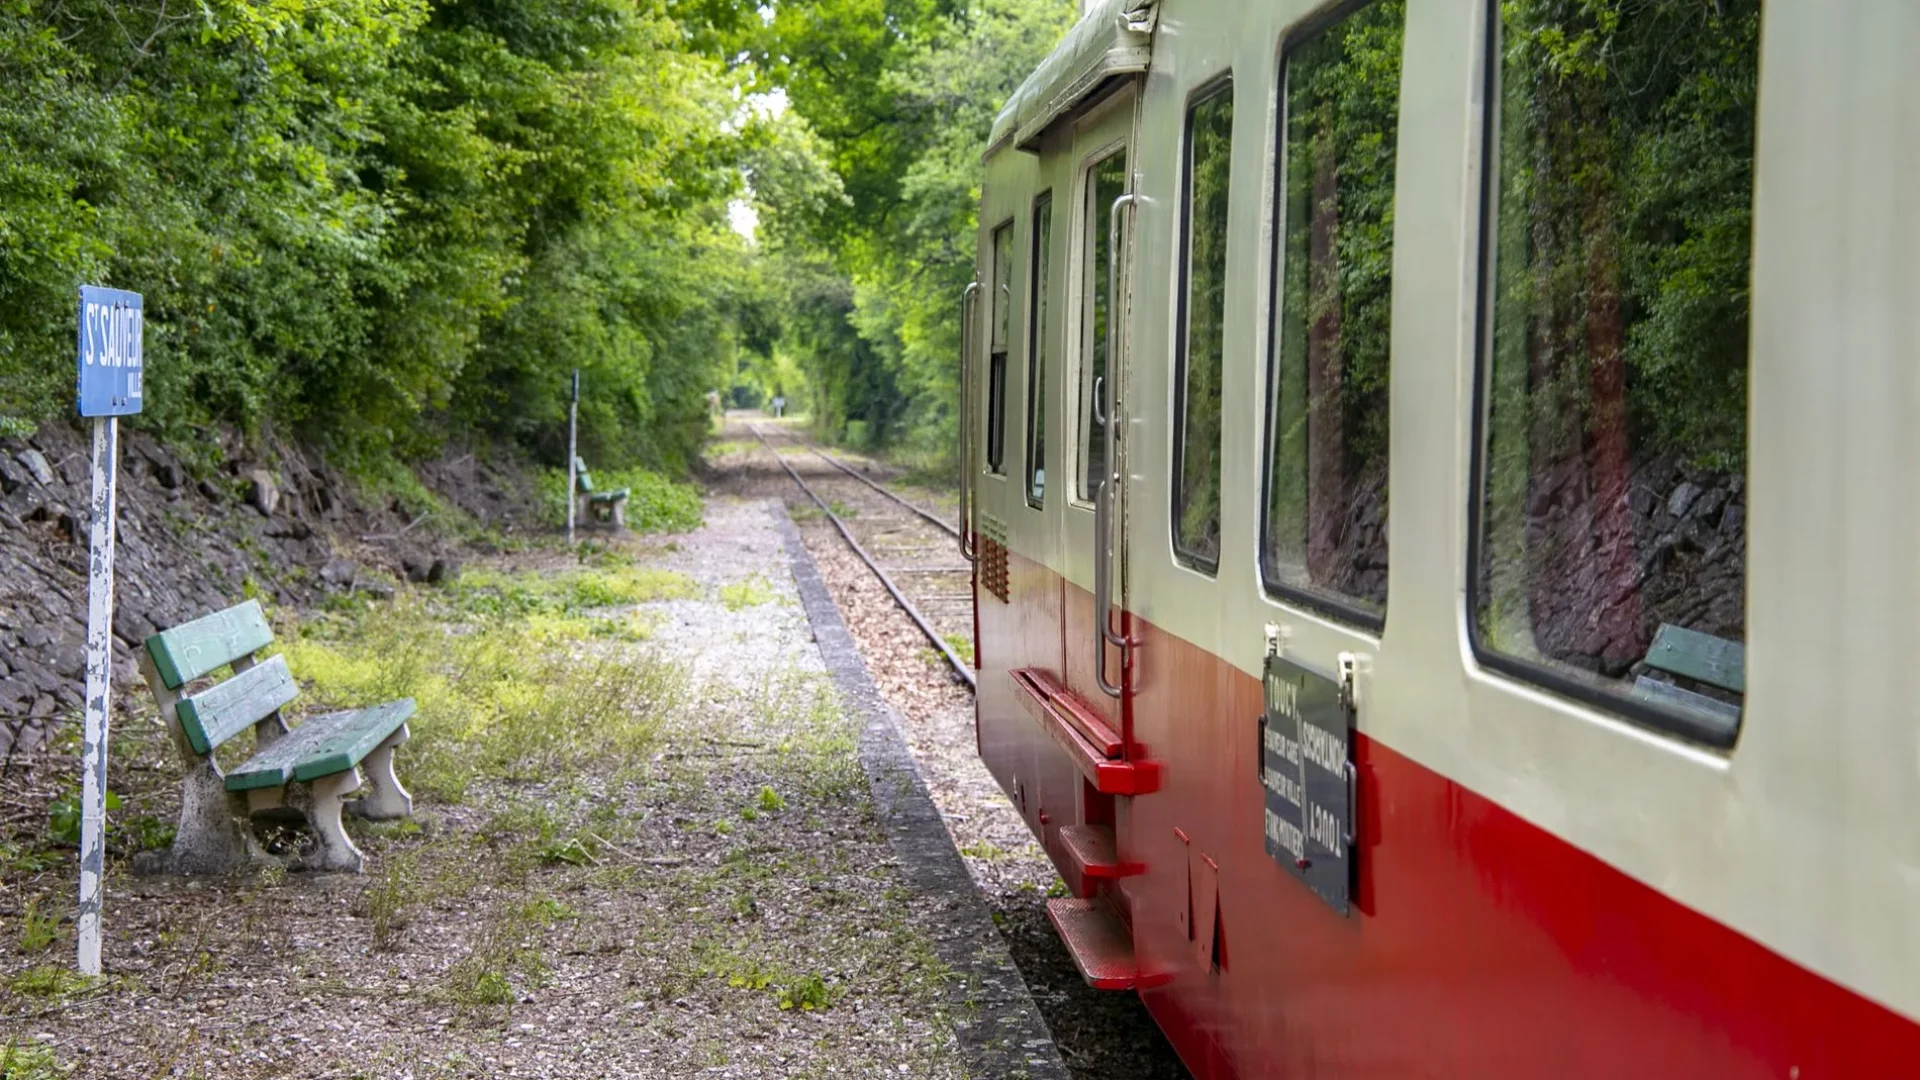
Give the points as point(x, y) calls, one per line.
point(901, 95)
point(353, 216)
point(1620, 324)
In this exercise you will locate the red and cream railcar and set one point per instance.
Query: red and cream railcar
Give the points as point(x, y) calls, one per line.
point(1391, 428)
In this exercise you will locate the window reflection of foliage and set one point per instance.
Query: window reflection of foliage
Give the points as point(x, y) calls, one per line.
point(1002, 343)
point(1327, 489)
point(1196, 509)
point(1620, 320)
point(1106, 182)
point(1039, 348)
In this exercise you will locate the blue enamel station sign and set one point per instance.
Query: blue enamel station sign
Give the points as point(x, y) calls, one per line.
point(112, 360)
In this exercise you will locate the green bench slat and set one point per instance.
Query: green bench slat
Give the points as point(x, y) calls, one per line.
point(586, 483)
point(1711, 660)
point(190, 650)
point(610, 496)
point(322, 746)
point(215, 715)
point(1662, 693)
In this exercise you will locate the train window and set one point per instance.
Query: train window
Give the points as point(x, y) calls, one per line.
point(1610, 548)
point(1325, 535)
point(997, 354)
point(1038, 346)
point(1203, 317)
point(1106, 182)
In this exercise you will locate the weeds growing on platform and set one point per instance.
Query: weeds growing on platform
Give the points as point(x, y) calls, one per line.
point(619, 868)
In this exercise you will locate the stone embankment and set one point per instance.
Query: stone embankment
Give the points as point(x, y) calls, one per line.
point(194, 535)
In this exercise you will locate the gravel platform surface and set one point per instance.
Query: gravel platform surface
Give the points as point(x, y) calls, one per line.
point(726, 903)
point(1101, 1035)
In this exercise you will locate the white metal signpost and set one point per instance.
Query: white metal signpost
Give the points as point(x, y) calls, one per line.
point(111, 372)
point(573, 462)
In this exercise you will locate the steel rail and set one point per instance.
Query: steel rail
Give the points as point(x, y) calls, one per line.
point(958, 665)
point(929, 515)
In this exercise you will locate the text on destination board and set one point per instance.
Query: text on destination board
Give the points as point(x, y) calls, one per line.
point(1280, 746)
point(1324, 748)
point(1287, 787)
point(1286, 835)
point(113, 335)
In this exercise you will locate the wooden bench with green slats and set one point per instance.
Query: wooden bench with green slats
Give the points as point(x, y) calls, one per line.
point(604, 507)
point(308, 769)
point(1702, 658)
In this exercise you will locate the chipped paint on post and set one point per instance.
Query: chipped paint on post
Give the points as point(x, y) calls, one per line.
point(93, 794)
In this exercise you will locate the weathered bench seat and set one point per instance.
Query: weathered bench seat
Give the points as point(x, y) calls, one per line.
point(1703, 659)
point(604, 507)
point(309, 769)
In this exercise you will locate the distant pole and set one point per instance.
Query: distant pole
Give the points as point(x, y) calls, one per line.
point(573, 457)
point(110, 384)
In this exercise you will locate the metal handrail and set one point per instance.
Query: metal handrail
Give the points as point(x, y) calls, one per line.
point(1104, 495)
point(966, 420)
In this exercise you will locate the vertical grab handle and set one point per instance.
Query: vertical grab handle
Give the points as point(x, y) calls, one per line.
point(1104, 494)
point(966, 420)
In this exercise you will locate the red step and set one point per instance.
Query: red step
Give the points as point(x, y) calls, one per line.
point(1091, 849)
point(1091, 746)
point(1043, 695)
point(1101, 945)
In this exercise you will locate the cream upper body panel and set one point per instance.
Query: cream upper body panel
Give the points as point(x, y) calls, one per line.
point(1802, 836)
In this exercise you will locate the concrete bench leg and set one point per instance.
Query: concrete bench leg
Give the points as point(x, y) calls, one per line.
point(387, 800)
point(324, 799)
point(212, 837)
point(619, 513)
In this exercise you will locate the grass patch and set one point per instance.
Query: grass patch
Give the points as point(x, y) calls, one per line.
point(752, 592)
point(389, 903)
point(516, 701)
point(729, 448)
point(508, 949)
point(18, 1062)
point(21, 861)
point(563, 599)
point(38, 930)
point(961, 644)
point(655, 503)
point(47, 982)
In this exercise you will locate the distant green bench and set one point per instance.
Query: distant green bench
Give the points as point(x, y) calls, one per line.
point(309, 769)
point(1700, 657)
point(605, 507)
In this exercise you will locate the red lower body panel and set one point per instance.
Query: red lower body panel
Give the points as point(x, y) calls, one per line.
point(1481, 946)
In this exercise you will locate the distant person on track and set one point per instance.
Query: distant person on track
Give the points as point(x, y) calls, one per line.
point(779, 406)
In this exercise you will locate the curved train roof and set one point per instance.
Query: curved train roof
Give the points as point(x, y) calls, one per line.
point(1115, 38)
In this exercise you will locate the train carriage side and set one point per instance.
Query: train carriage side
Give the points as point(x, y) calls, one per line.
point(1483, 385)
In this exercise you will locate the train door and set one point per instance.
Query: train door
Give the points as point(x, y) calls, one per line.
point(1095, 523)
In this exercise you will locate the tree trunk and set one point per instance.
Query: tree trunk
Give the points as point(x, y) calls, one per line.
point(1326, 372)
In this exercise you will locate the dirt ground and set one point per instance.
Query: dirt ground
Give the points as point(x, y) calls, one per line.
point(688, 881)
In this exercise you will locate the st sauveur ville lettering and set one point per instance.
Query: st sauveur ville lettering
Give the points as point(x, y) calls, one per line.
point(113, 335)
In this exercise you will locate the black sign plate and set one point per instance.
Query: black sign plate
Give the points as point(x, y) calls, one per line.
point(1304, 769)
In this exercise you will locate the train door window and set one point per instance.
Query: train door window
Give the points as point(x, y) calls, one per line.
point(1203, 316)
point(1324, 539)
point(1106, 182)
point(1609, 539)
point(1039, 345)
point(997, 357)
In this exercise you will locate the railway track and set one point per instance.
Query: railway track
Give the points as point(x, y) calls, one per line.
point(913, 552)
